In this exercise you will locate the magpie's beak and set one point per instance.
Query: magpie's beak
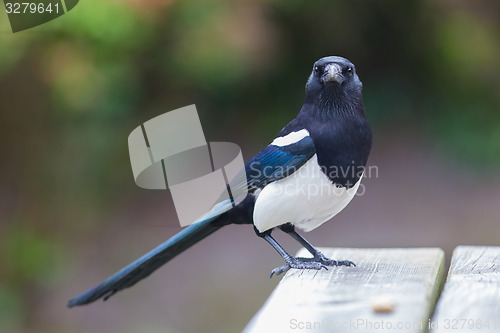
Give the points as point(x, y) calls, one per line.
point(333, 73)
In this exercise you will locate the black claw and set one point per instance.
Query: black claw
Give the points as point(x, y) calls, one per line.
point(329, 262)
point(345, 263)
point(279, 270)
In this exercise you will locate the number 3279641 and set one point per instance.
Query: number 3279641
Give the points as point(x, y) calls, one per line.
point(30, 7)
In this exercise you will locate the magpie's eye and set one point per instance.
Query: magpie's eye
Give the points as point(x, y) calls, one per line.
point(348, 70)
point(317, 69)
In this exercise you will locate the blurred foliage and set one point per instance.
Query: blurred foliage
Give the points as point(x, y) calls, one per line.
point(72, 90)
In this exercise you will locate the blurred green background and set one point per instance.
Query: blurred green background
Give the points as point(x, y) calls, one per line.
point(73, 89)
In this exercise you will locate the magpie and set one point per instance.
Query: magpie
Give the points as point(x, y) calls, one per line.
point(308, 174)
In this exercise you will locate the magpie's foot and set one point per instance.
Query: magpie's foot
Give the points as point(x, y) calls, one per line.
point(329, 262)
point(298, 263)
point(320, 257)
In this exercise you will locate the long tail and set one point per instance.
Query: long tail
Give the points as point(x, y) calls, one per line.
point(147, 264)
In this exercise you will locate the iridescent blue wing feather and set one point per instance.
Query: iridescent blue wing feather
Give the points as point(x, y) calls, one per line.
point(277, 162)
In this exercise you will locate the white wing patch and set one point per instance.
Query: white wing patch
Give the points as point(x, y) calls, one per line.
point(306, 199)
point(290, 138)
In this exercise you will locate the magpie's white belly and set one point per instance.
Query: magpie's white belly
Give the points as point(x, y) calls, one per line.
point(305, 199)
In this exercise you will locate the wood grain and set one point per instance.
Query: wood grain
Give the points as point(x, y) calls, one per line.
point(390, 289)
point(470, 301)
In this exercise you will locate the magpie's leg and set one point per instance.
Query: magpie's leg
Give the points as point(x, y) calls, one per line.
point(317, 255)
point(291, 262)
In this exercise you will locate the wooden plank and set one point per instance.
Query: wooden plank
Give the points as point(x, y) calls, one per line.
point(390, 289)
point(470, 301)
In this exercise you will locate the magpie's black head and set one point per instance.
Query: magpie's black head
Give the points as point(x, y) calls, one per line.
point(333, 77)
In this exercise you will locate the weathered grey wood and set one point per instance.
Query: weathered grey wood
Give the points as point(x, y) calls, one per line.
point(346, 299)
point(470, 301)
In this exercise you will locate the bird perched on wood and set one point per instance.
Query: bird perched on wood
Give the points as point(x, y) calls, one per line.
point(308, 174)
